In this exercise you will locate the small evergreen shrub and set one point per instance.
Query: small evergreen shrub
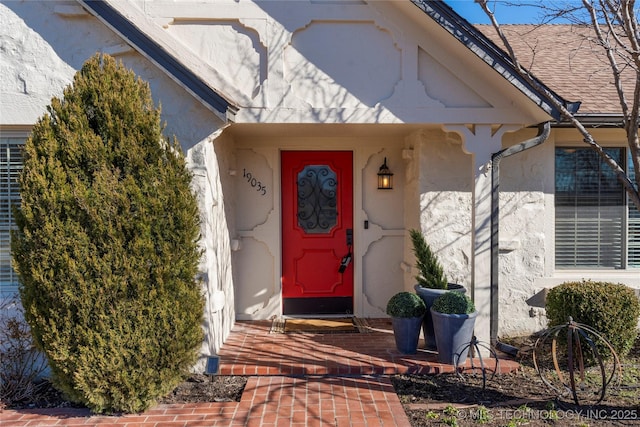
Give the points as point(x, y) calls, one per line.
point(609, 308)
point(107, 244)
point(431, 274)
point(406, 304)
point(453, 303)
point(21, 364)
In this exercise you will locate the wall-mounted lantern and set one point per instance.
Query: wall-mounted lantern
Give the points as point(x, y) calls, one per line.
point(385, 177)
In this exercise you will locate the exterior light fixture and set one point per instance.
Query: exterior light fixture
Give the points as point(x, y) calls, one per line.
point(385, 177)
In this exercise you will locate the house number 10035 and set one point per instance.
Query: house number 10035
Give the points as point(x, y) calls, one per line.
point(254, 182)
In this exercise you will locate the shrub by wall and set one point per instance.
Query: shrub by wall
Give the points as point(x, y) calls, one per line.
point(21, 364)
point(612, 309)
point(107, 244)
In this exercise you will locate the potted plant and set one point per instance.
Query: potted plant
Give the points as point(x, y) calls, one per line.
point(432, 282)
point(454, 316)
point(407, 311)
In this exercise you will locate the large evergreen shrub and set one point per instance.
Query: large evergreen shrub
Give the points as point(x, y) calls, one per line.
point(609, 308)
point(107, 244)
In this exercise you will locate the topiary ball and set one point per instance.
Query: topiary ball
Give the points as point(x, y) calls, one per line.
point(453, 303)
point(406, 304)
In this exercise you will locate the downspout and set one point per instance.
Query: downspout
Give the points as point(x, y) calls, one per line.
point(544, 130)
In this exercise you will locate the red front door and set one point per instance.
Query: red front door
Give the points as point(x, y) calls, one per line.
point(317, 226)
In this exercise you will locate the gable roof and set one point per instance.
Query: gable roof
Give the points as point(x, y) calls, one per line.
point(569, 61)
point(490, 53)
point(477, 39)
point(159, 55)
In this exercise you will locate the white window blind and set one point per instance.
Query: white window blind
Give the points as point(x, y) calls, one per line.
point(594, 226)
point(633, 248)
point(634, 237)
point(10, 166)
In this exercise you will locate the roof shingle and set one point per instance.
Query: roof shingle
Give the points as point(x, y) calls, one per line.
point(567, 59)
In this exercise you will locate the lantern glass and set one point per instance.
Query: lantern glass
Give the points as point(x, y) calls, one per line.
point(385, 177)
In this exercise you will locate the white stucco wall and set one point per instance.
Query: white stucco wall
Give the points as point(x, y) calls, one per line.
point(525, 179)
point(45, 43)
point(216, 271)
point(442, 180)
point(386, 68)
point(526, 261)
point(378, 249)
point(32, 69)
point(387, 63)
point(444, 192)
point(257, 271)
point(391, 85)
point(42, 46)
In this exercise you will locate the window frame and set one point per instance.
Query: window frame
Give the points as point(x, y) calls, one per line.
point(625, 221)
point(10, 288)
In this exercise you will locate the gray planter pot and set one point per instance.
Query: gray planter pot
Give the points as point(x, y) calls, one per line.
point(453, 333)
point(429, 296)
point(406, 331)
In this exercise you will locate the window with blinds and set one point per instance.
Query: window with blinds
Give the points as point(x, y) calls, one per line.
point(595, 226)
point(10, 166)
point(633, 226)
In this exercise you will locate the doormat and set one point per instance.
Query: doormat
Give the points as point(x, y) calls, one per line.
point(347, 325)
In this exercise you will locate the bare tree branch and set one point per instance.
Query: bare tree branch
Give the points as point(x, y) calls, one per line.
point(609, 50)
point(617, 15)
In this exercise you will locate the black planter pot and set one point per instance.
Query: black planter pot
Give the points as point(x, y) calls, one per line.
point(406, 331)
point(429, 295)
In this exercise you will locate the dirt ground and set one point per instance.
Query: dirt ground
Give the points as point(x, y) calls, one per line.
point(197, 388)
point(515, 399)
point(200, 388)
point(522, 398)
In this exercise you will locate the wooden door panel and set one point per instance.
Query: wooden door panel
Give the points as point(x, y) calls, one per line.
point(317, 211)
point(315, 274)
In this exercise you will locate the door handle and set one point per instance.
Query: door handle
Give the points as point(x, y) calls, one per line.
point(347, 258)
point(344, 263)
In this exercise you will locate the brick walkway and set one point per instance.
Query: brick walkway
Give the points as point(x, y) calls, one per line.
point(294, 380)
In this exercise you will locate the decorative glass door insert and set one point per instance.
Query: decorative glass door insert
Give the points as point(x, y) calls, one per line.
point(317, 190)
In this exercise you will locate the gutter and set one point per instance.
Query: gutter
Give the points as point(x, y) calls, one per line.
point(544, 129)
point(596, 120)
